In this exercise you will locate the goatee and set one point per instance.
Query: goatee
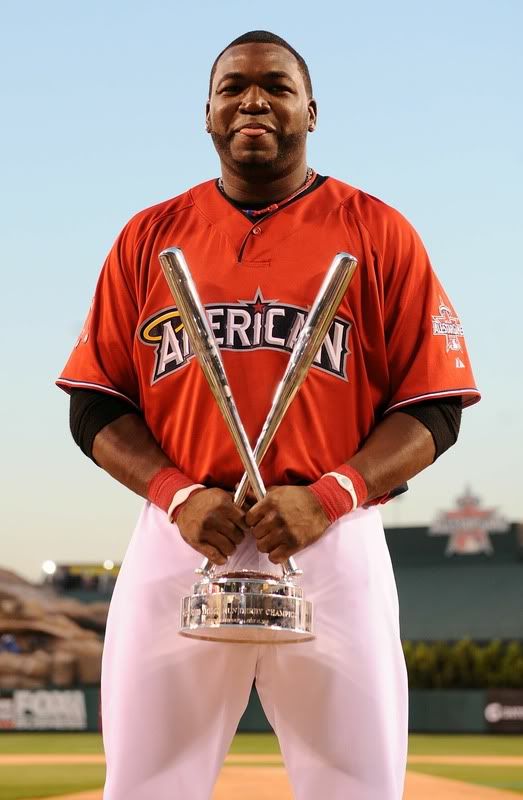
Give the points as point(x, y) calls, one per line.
point(259, 164)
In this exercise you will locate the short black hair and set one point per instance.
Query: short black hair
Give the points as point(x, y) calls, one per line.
point(266, 37)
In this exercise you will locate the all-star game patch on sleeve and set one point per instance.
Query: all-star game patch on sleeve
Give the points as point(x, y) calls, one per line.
point(102, 357)
point(426, 349)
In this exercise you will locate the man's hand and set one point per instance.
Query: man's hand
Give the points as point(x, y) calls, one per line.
point(288, 519)
point(211, 524)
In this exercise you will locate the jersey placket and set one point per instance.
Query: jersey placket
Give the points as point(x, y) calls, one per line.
point(255, 232)
point(254, 241)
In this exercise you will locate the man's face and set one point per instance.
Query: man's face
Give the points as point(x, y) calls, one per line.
point(258, 113)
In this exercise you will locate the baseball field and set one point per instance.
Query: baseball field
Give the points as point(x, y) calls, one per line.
point(71, 766)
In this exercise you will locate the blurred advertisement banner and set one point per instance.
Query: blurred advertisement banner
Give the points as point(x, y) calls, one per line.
point(504, 710)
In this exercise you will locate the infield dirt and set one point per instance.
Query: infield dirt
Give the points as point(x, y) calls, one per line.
point(269, 780)
point(268, 783)
point(237, 759)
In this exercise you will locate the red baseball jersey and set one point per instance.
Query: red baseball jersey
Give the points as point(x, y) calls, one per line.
point(395, 340)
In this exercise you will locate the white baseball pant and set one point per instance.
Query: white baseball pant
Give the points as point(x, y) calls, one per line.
point(171, 705)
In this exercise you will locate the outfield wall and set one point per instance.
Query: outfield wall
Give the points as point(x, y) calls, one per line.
point(438, 711)
point(50, 709)
point(431, 710)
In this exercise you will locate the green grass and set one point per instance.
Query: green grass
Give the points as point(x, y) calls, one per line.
point(19, 783)
point(508, 778)
point(259, 743)
point(266, 743)
point(463, 745)
point(499, 777)
point(11, 743)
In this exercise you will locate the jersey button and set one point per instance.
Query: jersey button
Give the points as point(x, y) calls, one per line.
point(256, 231)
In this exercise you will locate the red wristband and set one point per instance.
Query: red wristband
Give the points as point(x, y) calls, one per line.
point(335, 497)
point(163, 486)
point(379, 501)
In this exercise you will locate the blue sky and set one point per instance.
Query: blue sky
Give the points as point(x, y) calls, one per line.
point(102, 115)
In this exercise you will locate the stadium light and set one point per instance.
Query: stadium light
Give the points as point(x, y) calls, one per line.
point(49, 567)
point(108, 564)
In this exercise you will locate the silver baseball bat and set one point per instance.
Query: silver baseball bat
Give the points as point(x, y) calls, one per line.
point(333, 287)
point(195, 320)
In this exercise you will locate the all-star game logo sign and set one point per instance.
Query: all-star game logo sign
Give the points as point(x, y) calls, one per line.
point(447, 324)
point(469, 526)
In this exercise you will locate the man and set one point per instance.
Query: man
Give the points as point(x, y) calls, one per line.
point(382, 401)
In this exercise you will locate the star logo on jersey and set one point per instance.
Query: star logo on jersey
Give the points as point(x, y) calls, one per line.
point(447, 324)
point(258, 303)
point(469, 527)
point(248, 324)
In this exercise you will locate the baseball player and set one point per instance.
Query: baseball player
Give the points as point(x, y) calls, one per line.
point(382, 400)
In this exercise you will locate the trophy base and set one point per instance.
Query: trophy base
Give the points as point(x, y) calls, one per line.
point(247, 607)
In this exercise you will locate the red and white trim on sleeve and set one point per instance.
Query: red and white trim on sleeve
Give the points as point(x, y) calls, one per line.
point(69, 383)
point(469, 396)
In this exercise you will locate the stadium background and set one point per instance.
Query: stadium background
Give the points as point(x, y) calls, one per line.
point(460, 584)
point(419, 105)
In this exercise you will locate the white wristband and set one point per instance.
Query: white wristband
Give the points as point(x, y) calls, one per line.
point(181, 496)
point(346, 484)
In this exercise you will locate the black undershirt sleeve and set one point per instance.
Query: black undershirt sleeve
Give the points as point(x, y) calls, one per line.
point(90, 411)
point(441, 417)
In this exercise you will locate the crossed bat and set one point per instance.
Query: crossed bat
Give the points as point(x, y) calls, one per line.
point(194, 318)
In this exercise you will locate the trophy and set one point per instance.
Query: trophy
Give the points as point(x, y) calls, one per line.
point(245, 605)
